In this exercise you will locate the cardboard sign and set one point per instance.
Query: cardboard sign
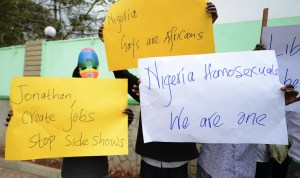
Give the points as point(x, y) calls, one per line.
point(135, 29)
point(55, 117)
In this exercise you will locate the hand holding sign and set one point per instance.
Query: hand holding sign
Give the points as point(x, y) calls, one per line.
point(290, 94)
point(211, 9)
point(9, 115)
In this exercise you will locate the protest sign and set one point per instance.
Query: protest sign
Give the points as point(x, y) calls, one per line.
point(56, 117)
point(213, 98)
point(135, 29)
point(285, 40)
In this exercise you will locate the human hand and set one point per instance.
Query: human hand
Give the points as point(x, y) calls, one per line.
point(136, 88)
point(130, 114)
point(9, 115)
point(290, 94)
point(100, 33)
point(211, 9)
point(259, 47)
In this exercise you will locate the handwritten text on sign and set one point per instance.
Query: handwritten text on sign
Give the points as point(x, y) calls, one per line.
point(135, 29)
point(285, 40)
point(213, 98)
point(55, 117)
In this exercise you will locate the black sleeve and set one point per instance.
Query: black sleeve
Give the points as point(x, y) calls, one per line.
point(132, 80)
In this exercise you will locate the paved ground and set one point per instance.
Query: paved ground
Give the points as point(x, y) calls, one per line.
point(22, 169)
point(9, 173)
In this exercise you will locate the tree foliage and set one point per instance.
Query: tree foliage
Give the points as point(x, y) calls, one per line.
point(21, 20)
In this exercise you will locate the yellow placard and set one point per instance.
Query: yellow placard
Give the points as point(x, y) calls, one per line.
point(136, 29)
point(56, 117)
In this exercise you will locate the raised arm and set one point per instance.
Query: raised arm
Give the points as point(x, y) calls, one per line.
point(211, 9)
point(132, 81)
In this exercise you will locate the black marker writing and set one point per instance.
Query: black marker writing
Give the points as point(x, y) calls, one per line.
point(41, 142)
point(119, 19)
point(50, 94)
point(291, 50)
point(173, 35)
point(130, 46)
point(76, 141)
point(34, 117)
point(79, 117)
point(288, 80)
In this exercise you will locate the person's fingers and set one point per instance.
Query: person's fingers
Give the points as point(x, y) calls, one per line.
point(260, 47)
point(130, 113)
point(136, 89)
point(289, 86)
point(289, 89)
point(7, 121)
point(136, 92)
point(291, 94)
point(211, 10)
point(100, 33)
point(127, 110)
point(210, 7)
point(10, 114)
point(209, 4)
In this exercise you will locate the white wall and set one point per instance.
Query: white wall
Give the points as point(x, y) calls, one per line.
point(248, 10)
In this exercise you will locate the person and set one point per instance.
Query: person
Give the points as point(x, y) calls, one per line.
point(263, 162)
point(233, 160)
point(160, 159)
point(263, 167)
point(86, 166)
point(293, 125)
point(266, 166)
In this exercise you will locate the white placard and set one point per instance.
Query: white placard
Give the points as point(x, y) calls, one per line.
point(213, 98)
point(285, 40)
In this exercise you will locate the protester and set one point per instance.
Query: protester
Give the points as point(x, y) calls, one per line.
point(263, 165)
point(293, 128)
point(86, 166)
point(268, 166)
point(89, 166)
point(233, 160)
point(161, 159)
point(263, 162)
point(293, 125)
